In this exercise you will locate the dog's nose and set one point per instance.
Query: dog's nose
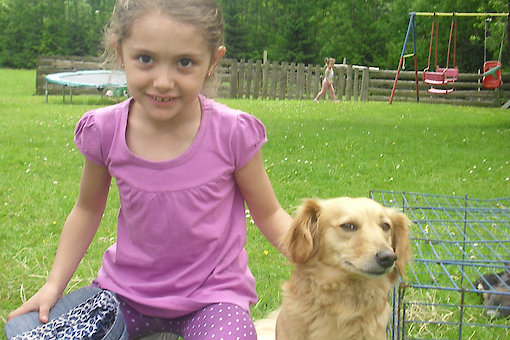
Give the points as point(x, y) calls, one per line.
point(385, 258)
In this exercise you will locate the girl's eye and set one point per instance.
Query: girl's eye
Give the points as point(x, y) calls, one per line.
point(184, 62)
point(145, 59)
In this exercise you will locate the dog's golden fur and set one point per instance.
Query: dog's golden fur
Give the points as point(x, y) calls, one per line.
point(348, 254)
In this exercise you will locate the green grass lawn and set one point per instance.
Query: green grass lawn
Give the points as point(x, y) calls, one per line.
point(314, 150)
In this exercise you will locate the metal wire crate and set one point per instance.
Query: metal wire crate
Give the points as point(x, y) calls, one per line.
point(456, 241)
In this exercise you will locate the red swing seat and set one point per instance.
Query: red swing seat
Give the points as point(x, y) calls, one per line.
point(433, 90)
point(442, 75)
point(451, 74)
point(492, 81)
point(434, 78)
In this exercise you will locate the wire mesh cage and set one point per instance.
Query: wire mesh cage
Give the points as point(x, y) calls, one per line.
point(458, 285)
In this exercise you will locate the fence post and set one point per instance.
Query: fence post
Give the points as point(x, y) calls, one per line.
point(294, 75)
point(341, 84)
point(348, 83)
point(265, 79)
point(283, 79)
point(256, 82)
point(364, 84)
point(308, 81)
point(233, 79)
point(300, 80)
point(316, 87)
point(249, 78)
point(336, 82)
point(355, 85)
point(242, 71)
point(290, 81)
point(274, 79)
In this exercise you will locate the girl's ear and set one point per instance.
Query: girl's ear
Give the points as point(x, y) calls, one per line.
point(220, 52)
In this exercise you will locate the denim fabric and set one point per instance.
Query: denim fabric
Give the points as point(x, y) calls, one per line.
point(90, 306)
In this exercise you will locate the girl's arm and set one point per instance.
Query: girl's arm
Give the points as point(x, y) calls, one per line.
point(272, 220)
point(77, 234)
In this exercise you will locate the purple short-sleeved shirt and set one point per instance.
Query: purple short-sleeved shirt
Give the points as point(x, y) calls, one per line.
point(182, 225)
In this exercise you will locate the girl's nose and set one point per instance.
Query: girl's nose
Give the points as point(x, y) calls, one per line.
point(164, 79)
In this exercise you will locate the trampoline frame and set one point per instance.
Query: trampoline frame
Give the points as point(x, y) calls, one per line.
point(59, 79)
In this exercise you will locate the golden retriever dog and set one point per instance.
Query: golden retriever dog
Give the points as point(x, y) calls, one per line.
point(348, 255)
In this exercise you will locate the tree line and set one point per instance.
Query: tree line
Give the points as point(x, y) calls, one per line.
point(364, 32)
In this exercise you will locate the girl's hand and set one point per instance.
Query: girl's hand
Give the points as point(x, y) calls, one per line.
point(42, 301)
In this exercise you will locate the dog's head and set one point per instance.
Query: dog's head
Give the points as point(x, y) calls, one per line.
point(357, 236)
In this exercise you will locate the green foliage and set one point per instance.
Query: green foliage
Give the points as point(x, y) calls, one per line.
point(364, 32)
point(296, 39)
point(59, 27)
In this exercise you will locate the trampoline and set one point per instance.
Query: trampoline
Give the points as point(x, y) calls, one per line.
point(99, 79)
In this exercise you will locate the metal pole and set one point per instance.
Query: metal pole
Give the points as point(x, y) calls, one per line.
point(416, 63)
point(402, 57)
point(431, 14)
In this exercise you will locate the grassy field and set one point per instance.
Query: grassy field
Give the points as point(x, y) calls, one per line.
point(314, 150)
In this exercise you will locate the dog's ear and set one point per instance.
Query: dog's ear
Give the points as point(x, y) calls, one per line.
point(299, 240)
point(400, 240)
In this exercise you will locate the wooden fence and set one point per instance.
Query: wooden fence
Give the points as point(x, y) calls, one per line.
point(273, 80)
point(248, 79)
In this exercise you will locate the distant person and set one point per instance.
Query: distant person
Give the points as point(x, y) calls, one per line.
point(185, 166)
point(327, 82)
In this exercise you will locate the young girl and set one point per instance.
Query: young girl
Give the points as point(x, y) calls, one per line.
point(327, 83)
point(185, 166)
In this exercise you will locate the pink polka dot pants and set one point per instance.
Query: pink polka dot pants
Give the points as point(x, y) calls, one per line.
point(221, 321)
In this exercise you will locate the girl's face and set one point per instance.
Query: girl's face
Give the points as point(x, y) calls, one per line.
point(166, 62)
point(331, 63)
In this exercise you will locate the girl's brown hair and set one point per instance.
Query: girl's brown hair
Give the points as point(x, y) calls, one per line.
point(204, 14)
point(327, 60)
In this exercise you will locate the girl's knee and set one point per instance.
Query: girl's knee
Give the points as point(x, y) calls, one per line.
point(21, 324)
point(222, 320)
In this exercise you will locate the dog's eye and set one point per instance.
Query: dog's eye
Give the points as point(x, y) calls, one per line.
point(348, 227)
point(385, 226)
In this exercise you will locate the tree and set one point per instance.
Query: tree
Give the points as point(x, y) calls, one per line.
point(22, 23)
point(236, 31)
point(296, 34)
point(59, 27)
point(367, 32)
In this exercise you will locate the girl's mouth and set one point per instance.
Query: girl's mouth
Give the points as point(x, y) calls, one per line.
point(162, 99)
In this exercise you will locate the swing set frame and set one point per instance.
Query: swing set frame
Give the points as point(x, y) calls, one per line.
point(439, 76)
